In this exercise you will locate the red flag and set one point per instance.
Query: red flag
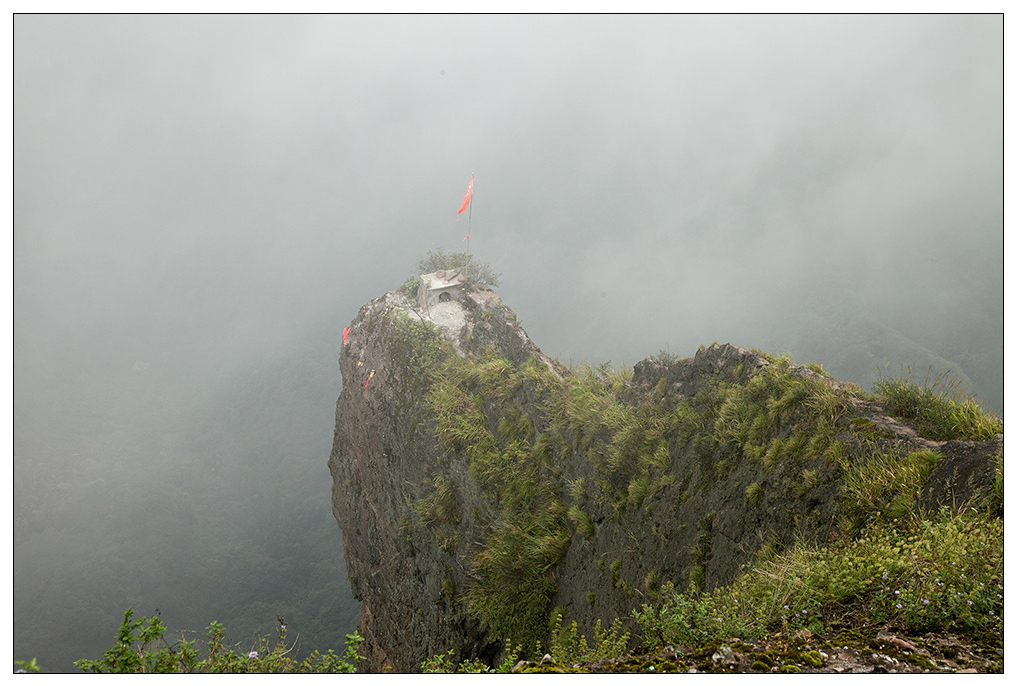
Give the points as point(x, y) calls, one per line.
point(345, 335)
point(467, 197)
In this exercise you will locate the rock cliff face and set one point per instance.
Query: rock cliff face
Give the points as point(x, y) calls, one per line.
point(479, 484)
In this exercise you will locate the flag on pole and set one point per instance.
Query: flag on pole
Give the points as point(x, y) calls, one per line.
point(467, 197)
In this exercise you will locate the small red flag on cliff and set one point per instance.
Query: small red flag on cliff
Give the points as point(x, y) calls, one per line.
point(345, 335)
point(467, 197)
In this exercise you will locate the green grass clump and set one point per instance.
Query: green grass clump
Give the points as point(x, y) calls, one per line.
point(753, 493)
point(442, 505)
point(887, 483)
point(755, 418)
point(937, 411)
point(934, 574)
point(582, 523)
point(516, 580)
point(637, 491)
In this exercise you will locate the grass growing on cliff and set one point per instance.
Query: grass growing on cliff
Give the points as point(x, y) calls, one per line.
point(786, 420)
point(886, 484)
point(415, 347)
point(938, 410)
point(748, 417)
point(627, 444)
point(513, 571)
point(938, 573)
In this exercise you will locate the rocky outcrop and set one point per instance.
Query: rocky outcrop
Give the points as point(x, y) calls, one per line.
point(384, 455)
point(478, 484)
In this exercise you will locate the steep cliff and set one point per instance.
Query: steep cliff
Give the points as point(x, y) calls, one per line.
point(479, 484)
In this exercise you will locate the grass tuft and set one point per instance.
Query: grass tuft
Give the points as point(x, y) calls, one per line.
point(938, 411)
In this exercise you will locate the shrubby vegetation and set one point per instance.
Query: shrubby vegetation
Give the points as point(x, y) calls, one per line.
point(568, 646)
point(940, 572)
point(141, 648)
point(926, 572)
point(478, 272)
point(445, 664)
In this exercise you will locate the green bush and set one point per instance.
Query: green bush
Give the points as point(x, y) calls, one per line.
point(442, 505)
point(445, 664)
point(411, 289)
point(569, 647)
point(478, 272)
point(141, 649)
point(686, 620)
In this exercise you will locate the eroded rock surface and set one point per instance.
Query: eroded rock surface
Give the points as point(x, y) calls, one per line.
point(693, 519)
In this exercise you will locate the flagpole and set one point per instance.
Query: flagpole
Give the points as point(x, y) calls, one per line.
point(469, 231)
point(467, 200)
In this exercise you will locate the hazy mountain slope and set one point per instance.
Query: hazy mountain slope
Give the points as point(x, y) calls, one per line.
point(207, 507)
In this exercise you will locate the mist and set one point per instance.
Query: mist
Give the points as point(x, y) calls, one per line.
point(201, 203)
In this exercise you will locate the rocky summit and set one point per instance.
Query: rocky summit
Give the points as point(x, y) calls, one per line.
point(482, 488)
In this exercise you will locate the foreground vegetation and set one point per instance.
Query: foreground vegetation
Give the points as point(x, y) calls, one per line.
point(141, 648)
point(941, 573)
